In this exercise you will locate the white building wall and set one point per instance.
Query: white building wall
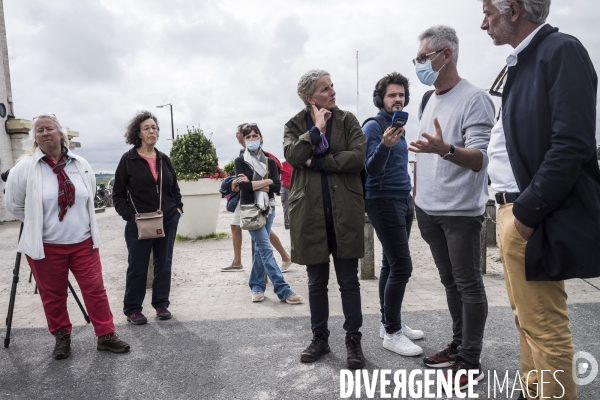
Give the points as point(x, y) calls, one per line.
point(8, 152)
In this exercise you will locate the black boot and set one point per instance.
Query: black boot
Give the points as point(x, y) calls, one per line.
point(62, 348)
point(318, 346)
point(356, 359)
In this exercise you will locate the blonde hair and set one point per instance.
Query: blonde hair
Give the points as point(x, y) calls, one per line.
point(31, 144)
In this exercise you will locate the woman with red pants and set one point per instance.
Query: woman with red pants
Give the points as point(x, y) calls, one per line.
point(52, 191)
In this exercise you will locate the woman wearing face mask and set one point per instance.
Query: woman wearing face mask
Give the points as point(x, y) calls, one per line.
point(263, 182)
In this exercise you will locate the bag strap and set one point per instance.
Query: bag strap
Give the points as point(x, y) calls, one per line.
point(379, 121)
point(159, 197)
point(425, 99)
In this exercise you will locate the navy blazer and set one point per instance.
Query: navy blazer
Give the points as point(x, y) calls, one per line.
point(549, 118)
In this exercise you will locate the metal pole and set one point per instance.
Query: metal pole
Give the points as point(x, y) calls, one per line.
point(172, 128)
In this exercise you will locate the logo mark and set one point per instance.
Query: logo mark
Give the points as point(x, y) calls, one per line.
point(584, 363)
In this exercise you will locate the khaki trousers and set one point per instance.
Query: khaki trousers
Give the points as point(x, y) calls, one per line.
point(541, 317)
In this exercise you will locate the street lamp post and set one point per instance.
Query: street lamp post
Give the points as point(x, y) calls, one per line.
point(172, 128)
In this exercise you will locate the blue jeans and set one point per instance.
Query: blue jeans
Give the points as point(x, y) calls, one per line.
point(455, 246)
point(264, 262)
point(137, 270)
point(392, 220)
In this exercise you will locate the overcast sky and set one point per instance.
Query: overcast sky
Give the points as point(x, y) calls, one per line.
point(96, 63)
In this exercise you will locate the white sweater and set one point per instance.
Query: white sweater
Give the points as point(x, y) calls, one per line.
point(466, 116)
point(24, 200)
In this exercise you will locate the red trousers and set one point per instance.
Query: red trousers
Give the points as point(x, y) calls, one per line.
point(51, 276)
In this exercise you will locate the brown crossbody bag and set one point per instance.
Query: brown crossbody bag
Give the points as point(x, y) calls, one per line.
point(150, 225)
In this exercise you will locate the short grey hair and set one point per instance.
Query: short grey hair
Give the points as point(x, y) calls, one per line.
point(536, 11)
point(440, 37)
point(33, 144)
point(308, 83)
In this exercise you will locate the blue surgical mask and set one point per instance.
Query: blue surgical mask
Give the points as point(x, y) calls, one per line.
point(253, 145)
point(425, 72)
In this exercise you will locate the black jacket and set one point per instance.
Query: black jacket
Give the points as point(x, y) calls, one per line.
point(549, 118)
point(247, 194)
point(133, 174)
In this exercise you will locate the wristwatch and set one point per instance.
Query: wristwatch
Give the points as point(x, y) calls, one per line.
point(449, 154)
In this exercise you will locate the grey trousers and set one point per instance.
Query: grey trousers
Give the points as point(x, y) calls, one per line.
point(455, 245)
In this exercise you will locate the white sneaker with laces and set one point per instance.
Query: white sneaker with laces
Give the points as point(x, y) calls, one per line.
point(412, 334)
point(400, 344)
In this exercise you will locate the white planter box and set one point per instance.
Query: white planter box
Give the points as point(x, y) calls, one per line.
point(201, 200)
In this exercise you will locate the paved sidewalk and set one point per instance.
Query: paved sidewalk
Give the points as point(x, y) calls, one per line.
point(220, 345)
point(201, 292)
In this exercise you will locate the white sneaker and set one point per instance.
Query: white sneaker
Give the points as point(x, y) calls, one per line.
point(257, 297)
point(399, 343)
point(412, 334)
point(286, 266)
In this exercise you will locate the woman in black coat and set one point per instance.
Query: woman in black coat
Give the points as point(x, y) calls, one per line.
point(137, 190)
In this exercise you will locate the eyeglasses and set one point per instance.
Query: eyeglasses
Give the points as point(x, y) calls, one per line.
point(498, 85)
point(422, 59)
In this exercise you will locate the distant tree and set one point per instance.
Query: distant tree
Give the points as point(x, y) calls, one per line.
point(598, 153)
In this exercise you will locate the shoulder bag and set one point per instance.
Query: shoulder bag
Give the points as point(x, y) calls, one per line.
point(150, 225)
point(251, 216)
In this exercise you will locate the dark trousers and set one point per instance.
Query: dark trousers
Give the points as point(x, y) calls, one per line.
point(346, 271)
point(392, 220)
point(137, 270)
point(455, 245)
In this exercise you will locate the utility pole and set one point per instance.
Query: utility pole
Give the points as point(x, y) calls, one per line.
point(357, 85)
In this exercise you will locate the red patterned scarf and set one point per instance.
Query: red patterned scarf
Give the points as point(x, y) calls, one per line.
point(66, 189)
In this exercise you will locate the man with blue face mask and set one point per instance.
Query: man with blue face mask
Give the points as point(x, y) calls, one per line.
point(451, 193)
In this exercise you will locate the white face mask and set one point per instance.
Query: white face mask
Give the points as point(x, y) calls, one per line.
point(253, 145)
point(425, 72)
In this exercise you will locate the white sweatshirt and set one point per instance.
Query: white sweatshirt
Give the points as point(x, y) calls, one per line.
point(466, 116)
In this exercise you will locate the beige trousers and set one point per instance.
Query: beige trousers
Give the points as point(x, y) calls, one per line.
point(541, 316)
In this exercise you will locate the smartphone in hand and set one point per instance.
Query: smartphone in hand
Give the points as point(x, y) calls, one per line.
point(399, 119)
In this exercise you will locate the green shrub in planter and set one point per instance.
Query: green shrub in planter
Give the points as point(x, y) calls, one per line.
point(194, 156)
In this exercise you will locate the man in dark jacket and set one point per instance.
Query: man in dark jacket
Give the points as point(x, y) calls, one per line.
point(543, 166)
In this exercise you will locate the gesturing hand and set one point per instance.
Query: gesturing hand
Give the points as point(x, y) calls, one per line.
point(391, 136)
point(320, 117)
point(433, 144)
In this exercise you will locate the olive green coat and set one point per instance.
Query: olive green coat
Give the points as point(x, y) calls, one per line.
point(348, 146)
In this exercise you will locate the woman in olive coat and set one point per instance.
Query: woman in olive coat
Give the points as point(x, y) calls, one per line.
point(327, 149)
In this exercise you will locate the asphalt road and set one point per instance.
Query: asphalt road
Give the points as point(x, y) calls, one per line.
point(246, 358)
